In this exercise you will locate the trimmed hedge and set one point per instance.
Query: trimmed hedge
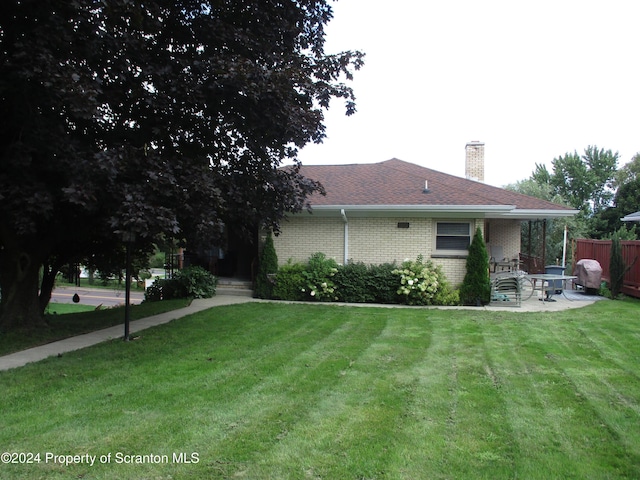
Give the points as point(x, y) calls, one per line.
point(322, 279)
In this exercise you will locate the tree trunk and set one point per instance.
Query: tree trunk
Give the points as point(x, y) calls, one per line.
point(46, 287)
point(19, 306)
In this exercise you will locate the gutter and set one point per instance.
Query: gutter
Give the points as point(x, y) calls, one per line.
point(417, 208)
point(535, 214)
point(486, 211)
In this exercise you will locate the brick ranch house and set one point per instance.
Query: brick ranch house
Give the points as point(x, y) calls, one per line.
point(394, 210)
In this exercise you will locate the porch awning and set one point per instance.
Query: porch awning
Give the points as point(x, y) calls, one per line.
point(632, 217)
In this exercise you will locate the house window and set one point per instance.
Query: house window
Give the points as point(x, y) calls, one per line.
point(453, 236)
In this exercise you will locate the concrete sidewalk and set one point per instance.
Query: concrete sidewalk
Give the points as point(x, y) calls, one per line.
point(19, 359)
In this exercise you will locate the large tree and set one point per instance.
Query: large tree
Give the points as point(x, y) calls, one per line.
point(608, 222)
point(167, 117)
point(532, 232)
point(586, 181)
point(629, 171)
point(625, 201)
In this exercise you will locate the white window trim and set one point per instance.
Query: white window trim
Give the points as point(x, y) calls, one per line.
point(440, 252)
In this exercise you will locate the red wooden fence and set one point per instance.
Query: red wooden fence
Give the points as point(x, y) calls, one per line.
point(600, 250)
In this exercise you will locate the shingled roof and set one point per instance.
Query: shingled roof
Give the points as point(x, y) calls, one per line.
point(400, 186)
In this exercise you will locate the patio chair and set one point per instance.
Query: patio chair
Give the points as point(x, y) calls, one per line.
point(497, 259)
point(506, 291)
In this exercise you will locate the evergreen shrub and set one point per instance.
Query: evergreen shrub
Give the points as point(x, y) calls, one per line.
point(617, 267)
point(476, 286)
point(267, 267)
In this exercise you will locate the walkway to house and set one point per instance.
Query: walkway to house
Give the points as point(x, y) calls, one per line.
point(19, 359)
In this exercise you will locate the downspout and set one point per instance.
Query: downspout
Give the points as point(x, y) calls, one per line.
point(346, 236)
point(564, 248)
point(544, 242)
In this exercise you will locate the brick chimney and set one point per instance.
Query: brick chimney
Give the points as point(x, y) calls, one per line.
point(474, 161)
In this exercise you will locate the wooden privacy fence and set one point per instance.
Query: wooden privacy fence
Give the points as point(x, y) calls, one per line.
point(600, 250)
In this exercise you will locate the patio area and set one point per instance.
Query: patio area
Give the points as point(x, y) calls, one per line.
point(567, 299)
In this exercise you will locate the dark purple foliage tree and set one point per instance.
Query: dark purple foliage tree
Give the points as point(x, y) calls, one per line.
point(169, 117)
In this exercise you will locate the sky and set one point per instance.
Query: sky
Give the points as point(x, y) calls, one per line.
point(532, 80)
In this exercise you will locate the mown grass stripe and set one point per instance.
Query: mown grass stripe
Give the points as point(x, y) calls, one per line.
point(295, 391)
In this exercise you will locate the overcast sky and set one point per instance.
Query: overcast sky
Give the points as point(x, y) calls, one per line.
point(533, 80)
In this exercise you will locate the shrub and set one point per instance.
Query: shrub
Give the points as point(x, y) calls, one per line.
point(197, 282)
point(268, 266)
point(419, 281)
point(321, 279)
point(164, 289)
point(354, 283)
point(446, 296)
point(319, 285)
point(476, 286)
point(193, 282)
point(384, 283)
point(289, 282)
point(616, 267)
point(604, 290)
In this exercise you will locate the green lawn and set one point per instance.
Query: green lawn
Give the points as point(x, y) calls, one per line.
point(67, 320)
point(273, 391)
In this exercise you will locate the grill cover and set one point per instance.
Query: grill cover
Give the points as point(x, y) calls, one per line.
point(589, 273)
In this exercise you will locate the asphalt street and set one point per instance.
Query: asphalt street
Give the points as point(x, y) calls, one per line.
point(107, 297)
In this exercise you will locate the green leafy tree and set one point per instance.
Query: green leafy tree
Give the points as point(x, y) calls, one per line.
point(626, 201)
point(587, 181)
point(541, 175)
point(623, 233)
point(629, 172)
point(576, 226)
point(267, 268)
point(476, 286)
point(135, 118)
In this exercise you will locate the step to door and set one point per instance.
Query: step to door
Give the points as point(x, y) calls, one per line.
point(232, 286)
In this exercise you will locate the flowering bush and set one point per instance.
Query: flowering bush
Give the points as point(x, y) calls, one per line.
point(318, 275)
point(321, 279)
point(419, 281)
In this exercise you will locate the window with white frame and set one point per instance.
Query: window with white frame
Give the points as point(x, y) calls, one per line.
point(453, 237)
